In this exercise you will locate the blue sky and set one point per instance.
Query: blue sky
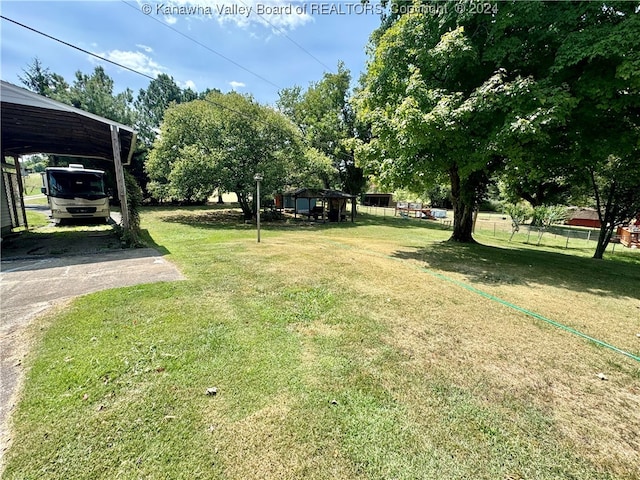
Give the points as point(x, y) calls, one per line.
point(150, 37)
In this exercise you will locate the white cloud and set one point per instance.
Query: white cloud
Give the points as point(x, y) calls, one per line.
point(189, 84)
point(235, 85)
point(137, 61)
point(144, 47)
point(276, 15)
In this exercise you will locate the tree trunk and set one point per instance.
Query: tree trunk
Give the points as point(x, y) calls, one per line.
point(607, 219)
point(463, 207)
point(247, 209)
point(603, 241)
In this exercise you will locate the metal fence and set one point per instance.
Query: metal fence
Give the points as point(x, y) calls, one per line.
point(554, 236)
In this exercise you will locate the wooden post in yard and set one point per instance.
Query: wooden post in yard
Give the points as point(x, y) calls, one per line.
point(122, 189)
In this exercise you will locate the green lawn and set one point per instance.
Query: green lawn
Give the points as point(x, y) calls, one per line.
point(339, 351)
point(32, 184)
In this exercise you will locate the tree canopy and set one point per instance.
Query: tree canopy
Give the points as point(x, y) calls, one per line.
point(152, 102)
point(326, 120)
point(537, 92)
point(222, 142)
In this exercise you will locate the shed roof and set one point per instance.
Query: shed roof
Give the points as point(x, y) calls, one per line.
point(32, 123)
point(584, 214)
point(321, 193)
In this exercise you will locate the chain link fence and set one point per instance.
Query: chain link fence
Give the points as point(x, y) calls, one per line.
point(500, 227)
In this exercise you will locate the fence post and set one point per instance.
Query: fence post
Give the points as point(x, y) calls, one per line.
point(566, 245)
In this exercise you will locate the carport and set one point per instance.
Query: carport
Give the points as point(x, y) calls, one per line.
point(32, 123)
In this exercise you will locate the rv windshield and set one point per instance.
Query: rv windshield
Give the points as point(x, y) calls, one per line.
point(88, 185)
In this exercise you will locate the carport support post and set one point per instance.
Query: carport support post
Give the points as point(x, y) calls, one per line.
point(122, 189)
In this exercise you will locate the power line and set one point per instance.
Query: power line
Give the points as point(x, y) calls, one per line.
point(95, 55)
point(281, 30)
point(74, 47)
point(51, 37)
point(206, 47)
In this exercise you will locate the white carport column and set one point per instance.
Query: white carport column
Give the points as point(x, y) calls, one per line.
point(122, 189)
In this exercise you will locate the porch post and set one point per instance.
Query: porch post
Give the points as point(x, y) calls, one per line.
point(122, 189)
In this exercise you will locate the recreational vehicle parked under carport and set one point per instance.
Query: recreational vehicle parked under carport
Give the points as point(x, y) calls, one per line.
point(75, 192)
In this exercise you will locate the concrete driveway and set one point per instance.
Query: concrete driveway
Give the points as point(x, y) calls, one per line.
point(30, 286)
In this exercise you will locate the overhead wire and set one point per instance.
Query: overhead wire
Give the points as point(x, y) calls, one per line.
point(206, 47)
point(100, 57)
point(51, 37)
point(282, 31)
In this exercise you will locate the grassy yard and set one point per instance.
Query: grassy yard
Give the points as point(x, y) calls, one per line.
point(32, 184)
point(342, 352)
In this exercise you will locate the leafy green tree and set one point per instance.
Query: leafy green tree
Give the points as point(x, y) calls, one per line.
point(519, 214)
point(545, 216)
point(326, 120)
point(534, 92)
point(41, 80)
point(616, 188)
point(591, 50)
point(150, 106)
point(94, 93)
point(314, 171)
point(434, 113)
point(222, 142)
point(37, 77)
point(151, 103)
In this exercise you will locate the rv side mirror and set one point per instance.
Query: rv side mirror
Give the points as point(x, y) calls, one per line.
point(43, 190)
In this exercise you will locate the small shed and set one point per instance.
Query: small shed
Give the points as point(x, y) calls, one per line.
point(584, 217)
point(325, 203)
point(377, 199)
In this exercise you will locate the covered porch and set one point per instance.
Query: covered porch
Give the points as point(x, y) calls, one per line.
point(327, 204)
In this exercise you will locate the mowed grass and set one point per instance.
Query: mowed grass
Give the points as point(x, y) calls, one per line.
point(338, 351)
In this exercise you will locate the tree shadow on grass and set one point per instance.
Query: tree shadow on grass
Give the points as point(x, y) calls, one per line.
point(232, 219)
point(490, 265)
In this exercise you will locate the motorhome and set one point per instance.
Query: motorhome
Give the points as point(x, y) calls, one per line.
point(75, 192)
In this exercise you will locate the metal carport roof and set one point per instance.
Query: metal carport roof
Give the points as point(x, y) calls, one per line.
point(32, 123)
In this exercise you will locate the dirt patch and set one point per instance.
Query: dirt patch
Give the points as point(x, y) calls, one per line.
point(57, 241)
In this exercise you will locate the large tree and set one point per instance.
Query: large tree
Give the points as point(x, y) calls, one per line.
point(592, 51)
point(94, 93)
point(41, 80)
point(438, 111)
point(222, 142)
point(519, 90)
point(152, 102)
point(326, 120)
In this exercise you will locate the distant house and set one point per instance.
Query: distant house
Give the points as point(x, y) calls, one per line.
point(583, 217)
point(378, 199)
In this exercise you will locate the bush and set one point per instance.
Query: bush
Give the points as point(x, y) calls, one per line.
point(130, 237)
